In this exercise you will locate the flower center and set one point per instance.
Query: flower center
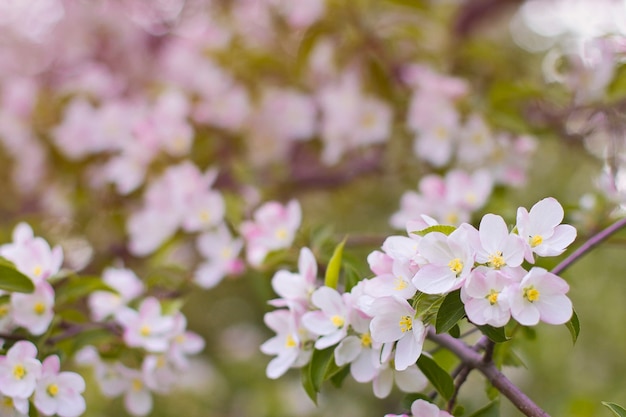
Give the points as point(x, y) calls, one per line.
point(281, 234)
point(535, 241)
point(290, 342)
point(19, 372)
point(52, 390)
point(37, 270)
point(145, 330)
point(406, 323)
point(4, 310)
point(205, 216)
point(531, 294)
point(338, 321)
point(137, 385)
point(366, 340)
point(39, 308)
point(496, 260)
point(400, 284)
point(7, 402)
point(492, 297)
point(456, 266)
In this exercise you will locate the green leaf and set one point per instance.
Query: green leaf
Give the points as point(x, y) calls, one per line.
point(334, 266)
point(338, 378)
point(616, 409)
point(321, 367)
point(77, 287)
point(13, 280)
point(573, 325)
point(450, 312)
point(496, 334)
point(455, 331)
point(490, 410)
point(441, 228)
point(351, 276)
point(441, 380)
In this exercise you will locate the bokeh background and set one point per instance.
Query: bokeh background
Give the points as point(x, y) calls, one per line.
point(538, 68)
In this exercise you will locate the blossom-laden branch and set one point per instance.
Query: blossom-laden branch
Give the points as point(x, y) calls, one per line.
point(473, 359)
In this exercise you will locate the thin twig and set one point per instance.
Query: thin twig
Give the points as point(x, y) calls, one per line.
point(592, 242)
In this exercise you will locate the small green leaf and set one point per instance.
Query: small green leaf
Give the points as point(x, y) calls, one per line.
point(441, 228)
point(334, 266)
point(450, 312)
point(441, 380)
point(13, 280)
point(77, 287)
point(321, 367)
point(338, 378)
point(490, 410)
point(496, 334)
point(455, 331)
point(616, 409)
point(573, 325)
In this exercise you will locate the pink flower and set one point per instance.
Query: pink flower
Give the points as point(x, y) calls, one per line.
point(289, 343)
point(540, 296)
point(394, 321)
point(449, 262)
point(274, 227)
point(485, 297)
point(541, 230)
point(332, 319)
point(221, 253)
point(59, 392)
point(34, 311)
point(32, 255)
point(295, 289)
point(421, 408)
point(104, 303)
point(495, 246)
point(19, 370)
point(146, 328)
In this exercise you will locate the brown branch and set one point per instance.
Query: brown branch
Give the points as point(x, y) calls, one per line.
point(475, 360)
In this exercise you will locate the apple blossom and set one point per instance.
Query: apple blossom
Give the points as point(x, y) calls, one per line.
point(331, 321)
point(274, 227)
point(289, 343)
point(146, 328)
point(541, 230)
point(485, 297)
point(104, 303)
point(34, 311)
point(449, 260)
point(221, 253)
point(540, 296)
point(19, 370)
point(394, 321)
point(295, 289)
point(59, 392)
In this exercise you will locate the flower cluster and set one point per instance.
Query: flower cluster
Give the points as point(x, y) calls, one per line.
point(33, 257)
point(23, 376)
point(378, 327)
point(163, 338)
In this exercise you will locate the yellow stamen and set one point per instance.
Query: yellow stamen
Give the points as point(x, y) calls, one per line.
point(19, 372)
point(7, 402)
point(205, 216)
point(406, 323)
point(452, 218)
point(37, 270)
point(39, 308)
point(4, 310)
point(456, 266)
point(441, 133)
point(536, 241)
point(52, 390)
point(226, 253)
point(531, 294)
point(493, 297)
point(368, 120)
point(400, 284)
point(338, 321)
point(137, 385)
point(290, 342)
point(366, 340)
point(281, 234)
point(496, 260)
point(145, 330)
